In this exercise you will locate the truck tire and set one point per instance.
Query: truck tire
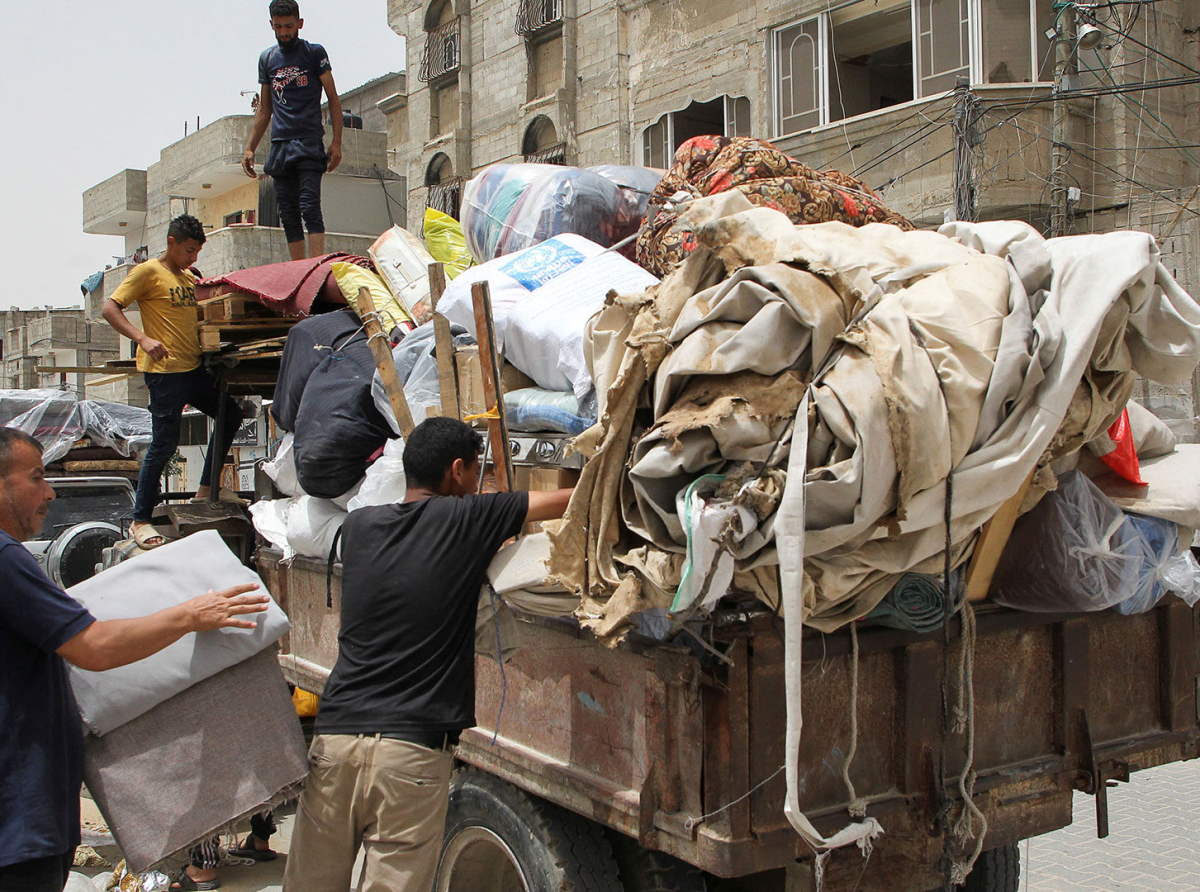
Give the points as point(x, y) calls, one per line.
point(644, 870)
point(502, 839)
point(997, 870)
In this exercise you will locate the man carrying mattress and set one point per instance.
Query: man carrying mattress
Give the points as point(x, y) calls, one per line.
point(403, 687)
point(41, 629)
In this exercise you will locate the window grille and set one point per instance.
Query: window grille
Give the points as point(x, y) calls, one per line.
point(550, 155)
point(534, 15)
point(442, 51)
point(445, 197)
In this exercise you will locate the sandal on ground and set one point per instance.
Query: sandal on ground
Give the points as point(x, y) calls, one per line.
point(247, 850)
point(185, 883)
point(145, 534)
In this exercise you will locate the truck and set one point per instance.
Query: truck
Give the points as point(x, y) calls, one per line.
point(658, 765)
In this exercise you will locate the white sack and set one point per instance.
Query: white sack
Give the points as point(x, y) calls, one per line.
point(385, 483)
point(512, 278)
point(545, 331)
point(165, 577)
point(404, 264)
point(312, 524)
point(282, 468)
point(270, 520)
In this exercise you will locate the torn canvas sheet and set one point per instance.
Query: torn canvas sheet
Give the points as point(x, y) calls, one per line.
point(192, 765)
point(983, 349)
point(164, 577)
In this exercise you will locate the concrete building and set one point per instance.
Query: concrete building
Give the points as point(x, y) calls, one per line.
point(865, 86)
point(30, 339)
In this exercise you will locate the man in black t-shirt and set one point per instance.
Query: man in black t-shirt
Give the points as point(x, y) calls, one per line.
point(292, 75)
point(403, 686)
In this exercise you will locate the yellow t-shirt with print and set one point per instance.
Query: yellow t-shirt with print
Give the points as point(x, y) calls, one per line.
point(167, 303)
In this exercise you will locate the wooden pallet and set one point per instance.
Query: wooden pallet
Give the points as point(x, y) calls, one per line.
point(213, 335)
point(232, 307)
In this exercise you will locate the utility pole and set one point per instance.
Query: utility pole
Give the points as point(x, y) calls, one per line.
point(965, 138)
point(1060, 149)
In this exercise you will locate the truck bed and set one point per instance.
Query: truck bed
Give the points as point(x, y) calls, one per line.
point(682, 750)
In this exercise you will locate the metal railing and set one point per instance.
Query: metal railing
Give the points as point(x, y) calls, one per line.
point(445, 197)
point(534, 15)
point(551, 155)
point(442, 51)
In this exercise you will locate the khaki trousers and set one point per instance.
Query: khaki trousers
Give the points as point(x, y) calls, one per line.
point(388, 796)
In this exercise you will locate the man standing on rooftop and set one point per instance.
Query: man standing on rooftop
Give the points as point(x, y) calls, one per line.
point(292, 74)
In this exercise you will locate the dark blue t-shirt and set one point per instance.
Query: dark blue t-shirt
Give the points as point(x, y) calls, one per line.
point(295, 79)
point(41, 736)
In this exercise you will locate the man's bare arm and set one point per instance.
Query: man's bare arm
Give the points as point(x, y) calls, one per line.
point(262, 120)
point(335, 115)
point(547, 504)
point(106, 644)
point(114, 315)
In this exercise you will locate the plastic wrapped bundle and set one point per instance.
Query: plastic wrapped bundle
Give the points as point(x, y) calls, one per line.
point(57, 418)
point(509, 207)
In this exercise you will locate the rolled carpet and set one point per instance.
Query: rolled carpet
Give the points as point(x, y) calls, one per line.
point(915, 604)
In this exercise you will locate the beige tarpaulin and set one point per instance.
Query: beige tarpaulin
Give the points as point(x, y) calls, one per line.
point(905, 360)
point(980, 348)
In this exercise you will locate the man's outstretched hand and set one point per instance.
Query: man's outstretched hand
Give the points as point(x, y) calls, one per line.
point(220, 610)
point(248, 164)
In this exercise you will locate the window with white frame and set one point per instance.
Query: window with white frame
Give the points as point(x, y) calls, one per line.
point(871, 54)
point(727, 115)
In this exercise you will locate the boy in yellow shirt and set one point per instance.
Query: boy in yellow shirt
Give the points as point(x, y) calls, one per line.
point(169, 357)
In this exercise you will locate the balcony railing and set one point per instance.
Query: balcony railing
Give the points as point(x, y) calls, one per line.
point(551, 155)
point(442, 51)
point(534, 15)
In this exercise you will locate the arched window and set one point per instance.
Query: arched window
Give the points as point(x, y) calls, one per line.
point(541, 144)
point(442, 41)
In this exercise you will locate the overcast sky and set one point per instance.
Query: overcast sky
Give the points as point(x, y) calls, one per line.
point(89, 89)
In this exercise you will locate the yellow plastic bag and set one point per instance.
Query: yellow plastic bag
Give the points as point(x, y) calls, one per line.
point(446, 243)
point(350, 277)
point(305, 703)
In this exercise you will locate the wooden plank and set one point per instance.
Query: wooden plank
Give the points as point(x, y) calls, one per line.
point(443, 344)
point(70, 369)
point(485, 334)
point(80, 467)
point(381, 348)
point(210, 340)
point(109, 379)
point(992, 539)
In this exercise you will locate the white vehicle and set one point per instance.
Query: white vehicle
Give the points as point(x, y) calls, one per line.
point(88, 515)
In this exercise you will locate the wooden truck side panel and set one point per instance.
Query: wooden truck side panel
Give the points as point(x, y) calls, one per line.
point(684, 753)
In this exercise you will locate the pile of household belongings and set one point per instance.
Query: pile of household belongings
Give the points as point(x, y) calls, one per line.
point(795, 411)
point(59, 420)
point(342, 449)
point(173, 751)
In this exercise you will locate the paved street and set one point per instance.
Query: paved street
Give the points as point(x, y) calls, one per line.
point(1153, 843)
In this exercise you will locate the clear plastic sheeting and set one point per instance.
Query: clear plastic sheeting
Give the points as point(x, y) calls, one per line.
point(1077, 551)
point(508, 207)
point(57, 418)
point(416, 367)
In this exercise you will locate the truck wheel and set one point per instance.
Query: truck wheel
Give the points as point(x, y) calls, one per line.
point(643, 870)
point(502, 839)
point(997, 870)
